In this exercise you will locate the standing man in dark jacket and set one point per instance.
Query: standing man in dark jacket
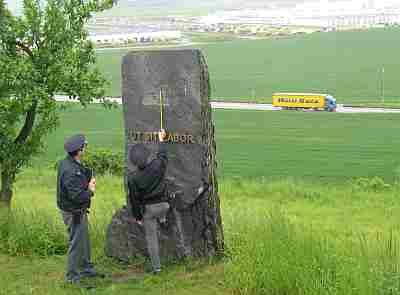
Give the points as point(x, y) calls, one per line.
point(148, 196)
point(75, 188)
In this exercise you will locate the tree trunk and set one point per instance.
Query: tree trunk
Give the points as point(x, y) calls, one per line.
point(6, 189)
point(7, 177)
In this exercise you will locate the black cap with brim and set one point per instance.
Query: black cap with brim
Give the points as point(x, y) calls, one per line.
point(75, 143)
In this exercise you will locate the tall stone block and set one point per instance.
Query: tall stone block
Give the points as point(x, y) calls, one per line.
point(171, 89)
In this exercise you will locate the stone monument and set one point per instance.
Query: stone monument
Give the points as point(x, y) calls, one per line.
point(170, 89)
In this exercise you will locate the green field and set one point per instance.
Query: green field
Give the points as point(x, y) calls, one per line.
point(326, 146)
point(345, 64)
point(307, 224)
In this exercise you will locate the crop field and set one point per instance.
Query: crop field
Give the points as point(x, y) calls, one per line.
point(346, 64)
point(254, 144)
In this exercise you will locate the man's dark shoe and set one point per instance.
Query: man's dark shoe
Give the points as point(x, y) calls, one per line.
point(148, 268)
point(73, 281)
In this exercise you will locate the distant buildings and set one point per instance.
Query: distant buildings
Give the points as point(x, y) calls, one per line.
point(138, 37)
point(355, 13)
point(118, 30)
point(325, 13)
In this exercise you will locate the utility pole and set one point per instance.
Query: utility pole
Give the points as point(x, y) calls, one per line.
point(383, 85)
point(253, 94)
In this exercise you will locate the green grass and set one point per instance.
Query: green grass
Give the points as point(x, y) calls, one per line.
point(304, 238)
point(44, 276)
point(332, 147)
point(345, 64)
point(283, 237)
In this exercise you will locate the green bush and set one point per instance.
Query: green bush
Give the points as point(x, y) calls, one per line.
point(103, 161)
point(375, 184)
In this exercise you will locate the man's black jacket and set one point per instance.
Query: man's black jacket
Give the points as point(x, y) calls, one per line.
point(72, 185)
point(147, 185)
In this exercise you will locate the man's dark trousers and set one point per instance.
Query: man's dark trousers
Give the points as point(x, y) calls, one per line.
point(78, 263)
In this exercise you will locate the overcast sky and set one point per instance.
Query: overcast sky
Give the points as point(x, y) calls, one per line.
point(14, 5)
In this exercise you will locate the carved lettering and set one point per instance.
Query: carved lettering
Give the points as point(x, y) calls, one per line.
point(152, 137)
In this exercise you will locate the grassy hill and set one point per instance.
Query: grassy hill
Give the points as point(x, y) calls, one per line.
point(282, 237)
point(346, 64)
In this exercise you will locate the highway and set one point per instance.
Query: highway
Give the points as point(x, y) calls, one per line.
point(258, 106)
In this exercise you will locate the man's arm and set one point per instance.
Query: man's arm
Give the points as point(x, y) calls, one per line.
point(135, 204)
point(77, 190)
point(162, 152)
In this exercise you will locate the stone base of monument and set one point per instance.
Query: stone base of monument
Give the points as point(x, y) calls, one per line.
point(126, 240)
point(171, 89)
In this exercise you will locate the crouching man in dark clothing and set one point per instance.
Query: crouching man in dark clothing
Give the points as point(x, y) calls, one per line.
point(148, 196)
point(75, 188)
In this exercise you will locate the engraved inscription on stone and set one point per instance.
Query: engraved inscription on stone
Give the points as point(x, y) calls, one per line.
point(135, 137)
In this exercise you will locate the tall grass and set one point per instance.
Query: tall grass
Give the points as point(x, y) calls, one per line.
point(283, 237)
point(35, 225)
point(289, 237)
point(270, 255)
point(32, 232)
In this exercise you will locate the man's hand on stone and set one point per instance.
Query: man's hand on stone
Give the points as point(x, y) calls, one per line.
point(132, 220)
point(162, 135)
point(92, 185)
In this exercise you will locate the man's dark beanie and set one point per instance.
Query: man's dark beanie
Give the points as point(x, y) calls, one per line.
point(138, 155)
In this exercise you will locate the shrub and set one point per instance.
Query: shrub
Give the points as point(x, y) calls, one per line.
point(375, 184)
point(103, 161)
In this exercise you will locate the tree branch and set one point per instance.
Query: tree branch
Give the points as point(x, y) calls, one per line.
point(26, 130)
point(24, 48)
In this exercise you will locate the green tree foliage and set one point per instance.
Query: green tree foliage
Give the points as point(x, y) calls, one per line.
point(43, 52)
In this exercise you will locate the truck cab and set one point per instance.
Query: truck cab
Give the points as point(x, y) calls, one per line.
point(330, 103)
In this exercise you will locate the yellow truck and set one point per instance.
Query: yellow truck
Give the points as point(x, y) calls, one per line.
point(304, 101)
